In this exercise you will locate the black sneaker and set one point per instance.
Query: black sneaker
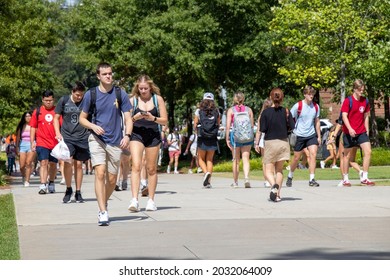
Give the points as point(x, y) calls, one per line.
point(118, 188)
point(78, 197)
point(68, 195)
point(313, 183)
point(206, 179)
point(274, 192)
point(289, 182)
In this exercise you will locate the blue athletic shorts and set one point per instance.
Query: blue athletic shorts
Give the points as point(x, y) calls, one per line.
point(44, 153)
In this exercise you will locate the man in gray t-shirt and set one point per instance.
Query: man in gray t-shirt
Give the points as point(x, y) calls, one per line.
point(75, 137)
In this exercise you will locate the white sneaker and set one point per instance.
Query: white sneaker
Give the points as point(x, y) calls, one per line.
point(168, 170)
point(234, 185)
point(199, 170)
point(43, 189)
point(26, 184)
point(103, 219)
point(322, 163)
point(340, 184)
point(62, 181)
point(52, 188)
point(134, 206)
point(267, 184)
point(361, 175)
point(150, 206)
point(176, 172)
point(335, 167)
point(190, 171)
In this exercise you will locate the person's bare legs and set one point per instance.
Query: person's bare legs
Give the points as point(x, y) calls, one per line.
point(245, 153)
point(151, 155)
point(100, 186)
point(78, 174)
point(136, 150)
point(236, 163)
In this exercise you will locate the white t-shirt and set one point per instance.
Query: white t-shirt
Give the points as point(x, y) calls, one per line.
point(175, 140)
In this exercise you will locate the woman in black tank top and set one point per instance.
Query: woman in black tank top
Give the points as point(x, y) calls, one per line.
point(149, 115)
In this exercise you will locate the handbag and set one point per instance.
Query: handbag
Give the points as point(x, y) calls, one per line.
point(292, 139)
point(61, 151)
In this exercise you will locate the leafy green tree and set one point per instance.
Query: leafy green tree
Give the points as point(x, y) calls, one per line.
point(26, 34)
point(323, 40)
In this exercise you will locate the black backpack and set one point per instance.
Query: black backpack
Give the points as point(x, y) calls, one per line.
point(209, 127)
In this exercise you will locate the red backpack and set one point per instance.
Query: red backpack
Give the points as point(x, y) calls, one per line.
point(300, 105)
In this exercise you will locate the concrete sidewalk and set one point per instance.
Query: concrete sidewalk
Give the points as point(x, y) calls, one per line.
point(328, 222)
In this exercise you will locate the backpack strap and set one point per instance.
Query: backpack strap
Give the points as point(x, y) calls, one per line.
point(315, 106)
point(299, 108)
point(118, 97)
point(135, 105)
point(65, 99)
point(155, 102)
point(92, 105)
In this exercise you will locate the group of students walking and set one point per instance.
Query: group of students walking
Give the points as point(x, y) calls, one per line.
point(104, 123)
point(276, 122)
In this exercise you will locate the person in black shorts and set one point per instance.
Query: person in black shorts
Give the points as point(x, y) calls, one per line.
point(146, 137)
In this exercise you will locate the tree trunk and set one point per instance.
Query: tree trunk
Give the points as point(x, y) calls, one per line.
point(386, 102)
point(342, 83)
point(374, 127)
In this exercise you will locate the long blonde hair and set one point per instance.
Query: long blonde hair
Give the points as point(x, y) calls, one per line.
point(144, 79)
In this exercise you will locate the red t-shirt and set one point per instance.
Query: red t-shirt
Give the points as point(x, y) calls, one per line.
point(45, 133)
point(356, 114)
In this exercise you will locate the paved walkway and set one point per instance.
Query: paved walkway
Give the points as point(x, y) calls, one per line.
point(219, 223)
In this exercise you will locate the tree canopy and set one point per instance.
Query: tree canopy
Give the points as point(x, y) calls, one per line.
point(189, 46)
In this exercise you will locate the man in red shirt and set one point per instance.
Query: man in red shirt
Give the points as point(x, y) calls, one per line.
point(43, 140)
point(355, 129)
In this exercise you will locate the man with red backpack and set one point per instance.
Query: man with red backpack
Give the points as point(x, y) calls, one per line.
point(306, 114)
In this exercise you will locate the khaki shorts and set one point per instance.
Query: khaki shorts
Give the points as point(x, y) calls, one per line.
point(276, 150)
point(104, 154)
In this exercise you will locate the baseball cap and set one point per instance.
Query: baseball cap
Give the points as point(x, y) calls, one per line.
point(208, 95)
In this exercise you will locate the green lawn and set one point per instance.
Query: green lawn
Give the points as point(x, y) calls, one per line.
point(9, 241)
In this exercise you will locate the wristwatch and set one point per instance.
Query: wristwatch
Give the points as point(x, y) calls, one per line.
point(155, 119)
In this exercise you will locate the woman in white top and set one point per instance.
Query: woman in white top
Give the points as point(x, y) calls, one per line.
point(259, 142)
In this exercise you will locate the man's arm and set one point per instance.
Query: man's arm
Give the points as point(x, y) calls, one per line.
point(56, 124)
point(88, 125)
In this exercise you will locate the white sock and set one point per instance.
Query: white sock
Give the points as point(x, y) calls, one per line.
point(365, 175)
point(346, 177)
point(290, 174)
point(311, 177)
